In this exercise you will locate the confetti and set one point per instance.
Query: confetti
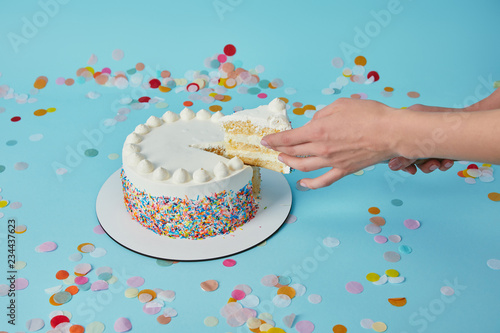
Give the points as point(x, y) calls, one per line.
point(395, 238)
point(281, 301)
point(354, 287)
point(122, 324)
point(291, 219)
point(46, 247)
point(374, 210)
point(378, 220)
point(250, 301)
point(95, 327)
point(412, 224)
point(447, 291)
point(163, 320)
point(493, 264)
point(366, 323)
point(405, 249)
point(229, 262)
point(392, 256)
point(372, 277)
point(209, 285)
point(494, 196)
point(288, 320)
point(413, 94)
point(117, 54)
point(304, 326)
point(379, 326)
point(56, 320)
point(331, 242)
point(314, 299)
point(152, 307)
point(135, 281)
point(380, 239)
point(82, 269)
point(211, 321)
point(401, 301)
point(339, 329)
point(35, 324)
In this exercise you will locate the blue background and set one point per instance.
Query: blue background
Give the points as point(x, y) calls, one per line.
point(444, 50)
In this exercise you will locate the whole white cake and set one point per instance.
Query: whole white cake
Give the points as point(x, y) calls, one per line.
point(177, 190)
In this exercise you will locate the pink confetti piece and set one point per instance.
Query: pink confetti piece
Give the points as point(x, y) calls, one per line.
point(117, 54)
point(380, 239)
point(291, 219)
point(81, 280)
point(238, 294)
point(152, 308)
point(412, 224)
point(99, 285)
point(229, 262)
point(98, 230)
point(46, 247)
point(135, 281)
point(122, 325)
point(304, 326)
point(269, 280)
point(21, 283)
point(230, 309)
point(354, 287)
point(83, 268)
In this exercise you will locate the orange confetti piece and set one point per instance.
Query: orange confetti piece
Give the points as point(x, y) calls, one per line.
point(164, 89)
point(73, 290)
point(40, 112)
point(101, 79)
point(461, 174)
point(215, 108)
point(494, 196)
point(226, 98)
point(39, 83)
point(360, 61)
point(69, 82)
point(389, 89)
point(231, 300)
point(79, 247)
point(62, 274)
point(378, 220)
point(374, 210)
point(165, 74)
point(284, 99)
point(339, 329)
point(299, 111)
point(401, 301)
point(51, 301)
point(187, 104)
point(413, 94)
point(140, 66)
point(149, 292)
point(309, 107)
point(76, 329)
point(162, 319)
point(286, 290)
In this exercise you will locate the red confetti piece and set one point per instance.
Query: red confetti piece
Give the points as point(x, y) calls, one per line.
point(229, 262)
point(154, 83)
point(472, 166)
point(144, 99)
point(375, 76)
point(56, 320)
point(229, 50)
point(15, 119)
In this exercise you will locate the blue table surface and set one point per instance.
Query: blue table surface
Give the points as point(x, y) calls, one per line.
point(446, 51)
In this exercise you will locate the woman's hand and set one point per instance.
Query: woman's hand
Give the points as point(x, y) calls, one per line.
point(425, 165)
point(346, 136)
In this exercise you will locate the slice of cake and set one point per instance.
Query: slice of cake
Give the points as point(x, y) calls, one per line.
point(244, 130)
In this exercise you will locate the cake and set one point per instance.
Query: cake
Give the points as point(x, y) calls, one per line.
point(244, 130)
point(176, 189)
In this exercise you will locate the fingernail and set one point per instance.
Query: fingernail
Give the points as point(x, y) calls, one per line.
point(301, 186)
point(395, 164)
point(433, 167)
point(280, 158)
point(448, 165)
point(264, 143)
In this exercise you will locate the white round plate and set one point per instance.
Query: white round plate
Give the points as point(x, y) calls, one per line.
point(274, 208)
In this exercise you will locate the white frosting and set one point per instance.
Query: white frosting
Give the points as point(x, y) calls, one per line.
point(133, 138)
point(217, 115)
point(160, 174)
point(171, 165)
point(203, 114)
point(235, 164)
point(130, 148)
point(272, 115)
point(201, 176)
point(134, 159)
point(154, 121)
point(170, 117)
point(142, 129)
point(221, 170)
point(180, 176)
point(187, 114)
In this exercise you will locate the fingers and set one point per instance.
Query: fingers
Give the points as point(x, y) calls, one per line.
point(412, 169)
point(305, 149)
point(324, 180)
point(446, 165)
point(398, 163)
point(288, 138)
point(304, 163)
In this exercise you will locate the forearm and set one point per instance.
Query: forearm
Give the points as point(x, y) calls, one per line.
point(472, 136)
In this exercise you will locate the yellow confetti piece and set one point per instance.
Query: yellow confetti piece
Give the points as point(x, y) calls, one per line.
point(51, 109)
point(274, 330)
point(392, 273)
point(372, 277)
point(3, 203)
point(131, 292)
point(379, 326)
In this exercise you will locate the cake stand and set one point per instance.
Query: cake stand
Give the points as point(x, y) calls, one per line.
point(274, 208)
